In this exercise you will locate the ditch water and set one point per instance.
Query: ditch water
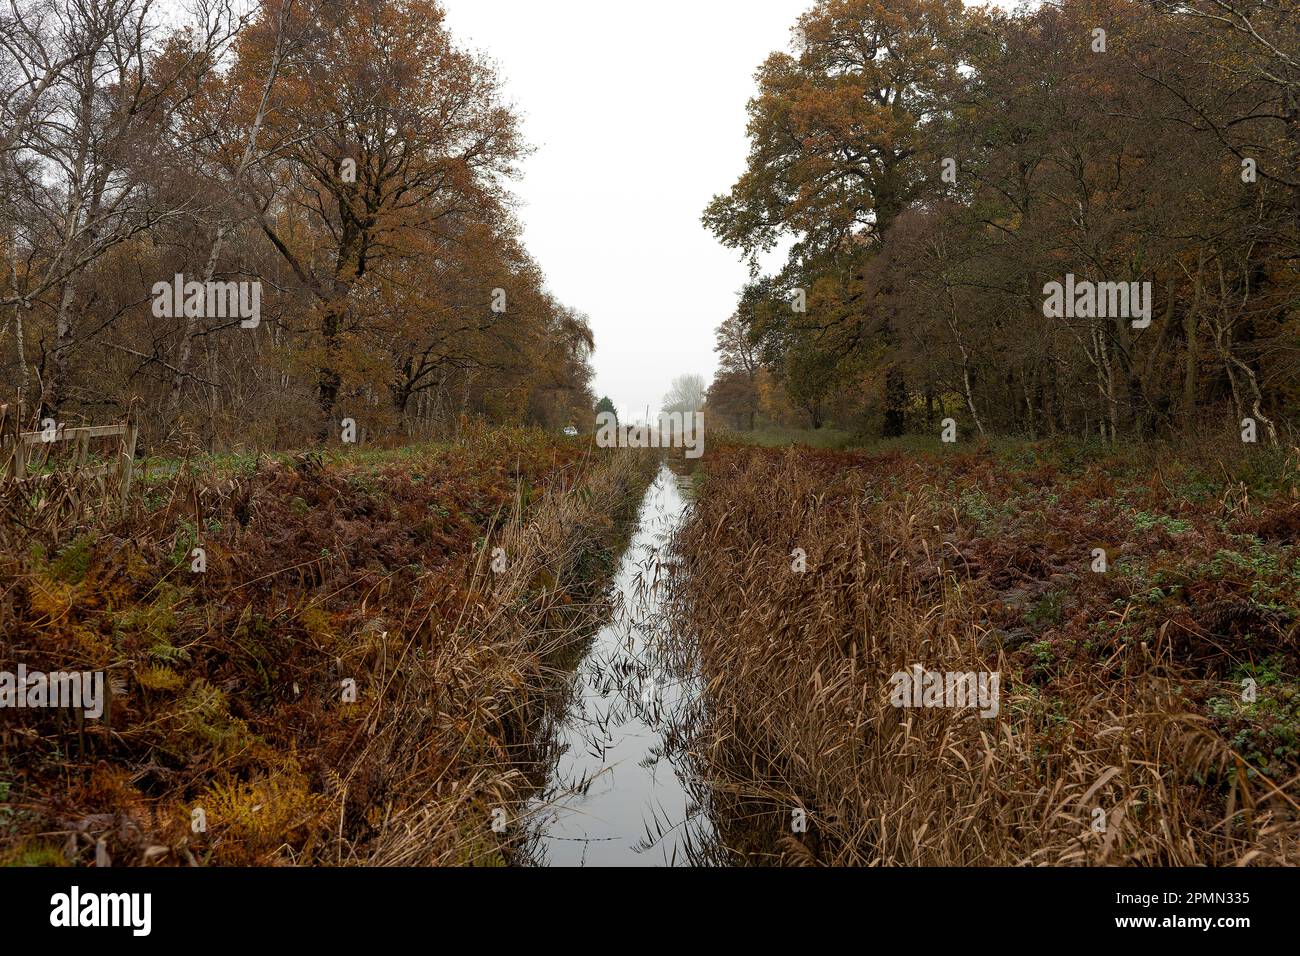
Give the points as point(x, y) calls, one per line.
point(619, 790)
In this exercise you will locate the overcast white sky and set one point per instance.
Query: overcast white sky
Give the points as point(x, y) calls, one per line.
point(637, 112)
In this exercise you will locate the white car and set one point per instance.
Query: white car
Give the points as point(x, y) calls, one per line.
point(570, 430)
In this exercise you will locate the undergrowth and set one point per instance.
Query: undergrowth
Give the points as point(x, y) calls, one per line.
point(346, 677)
point(1149, 712)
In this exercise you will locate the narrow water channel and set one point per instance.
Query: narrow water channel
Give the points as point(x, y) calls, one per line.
point(619, 791)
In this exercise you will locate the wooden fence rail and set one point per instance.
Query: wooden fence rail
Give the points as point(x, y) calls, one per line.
point(25, 455)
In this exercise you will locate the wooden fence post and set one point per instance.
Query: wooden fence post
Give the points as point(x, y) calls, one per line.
point(83, 450)
point(128, 452)
point(17, 465)
point(5, 469)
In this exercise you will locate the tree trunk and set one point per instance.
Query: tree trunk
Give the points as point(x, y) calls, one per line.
point(1192, 358)
point(895, 403)
point(56, 387)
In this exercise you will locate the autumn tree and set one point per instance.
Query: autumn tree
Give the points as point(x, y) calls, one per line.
point(86, 95)
point(349, 160)
point(685, 394)
point(842, 136)
point(735, 387)
point(1112, 141)
point(388, 136)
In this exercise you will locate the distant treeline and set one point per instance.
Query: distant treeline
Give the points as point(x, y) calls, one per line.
point(340, 167)
point(934, 168)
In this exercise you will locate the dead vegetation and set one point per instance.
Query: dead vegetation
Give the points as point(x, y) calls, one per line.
point(1123, 735)
point(231, 737)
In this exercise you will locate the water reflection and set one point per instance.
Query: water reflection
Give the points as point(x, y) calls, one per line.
point(619, 791)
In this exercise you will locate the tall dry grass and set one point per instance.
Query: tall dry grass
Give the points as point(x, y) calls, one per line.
point(496, 659)
point(797, 713)
point(375, 568)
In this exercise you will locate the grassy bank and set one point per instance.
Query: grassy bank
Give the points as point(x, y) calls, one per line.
point(1124, 735)
point(354, 674)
